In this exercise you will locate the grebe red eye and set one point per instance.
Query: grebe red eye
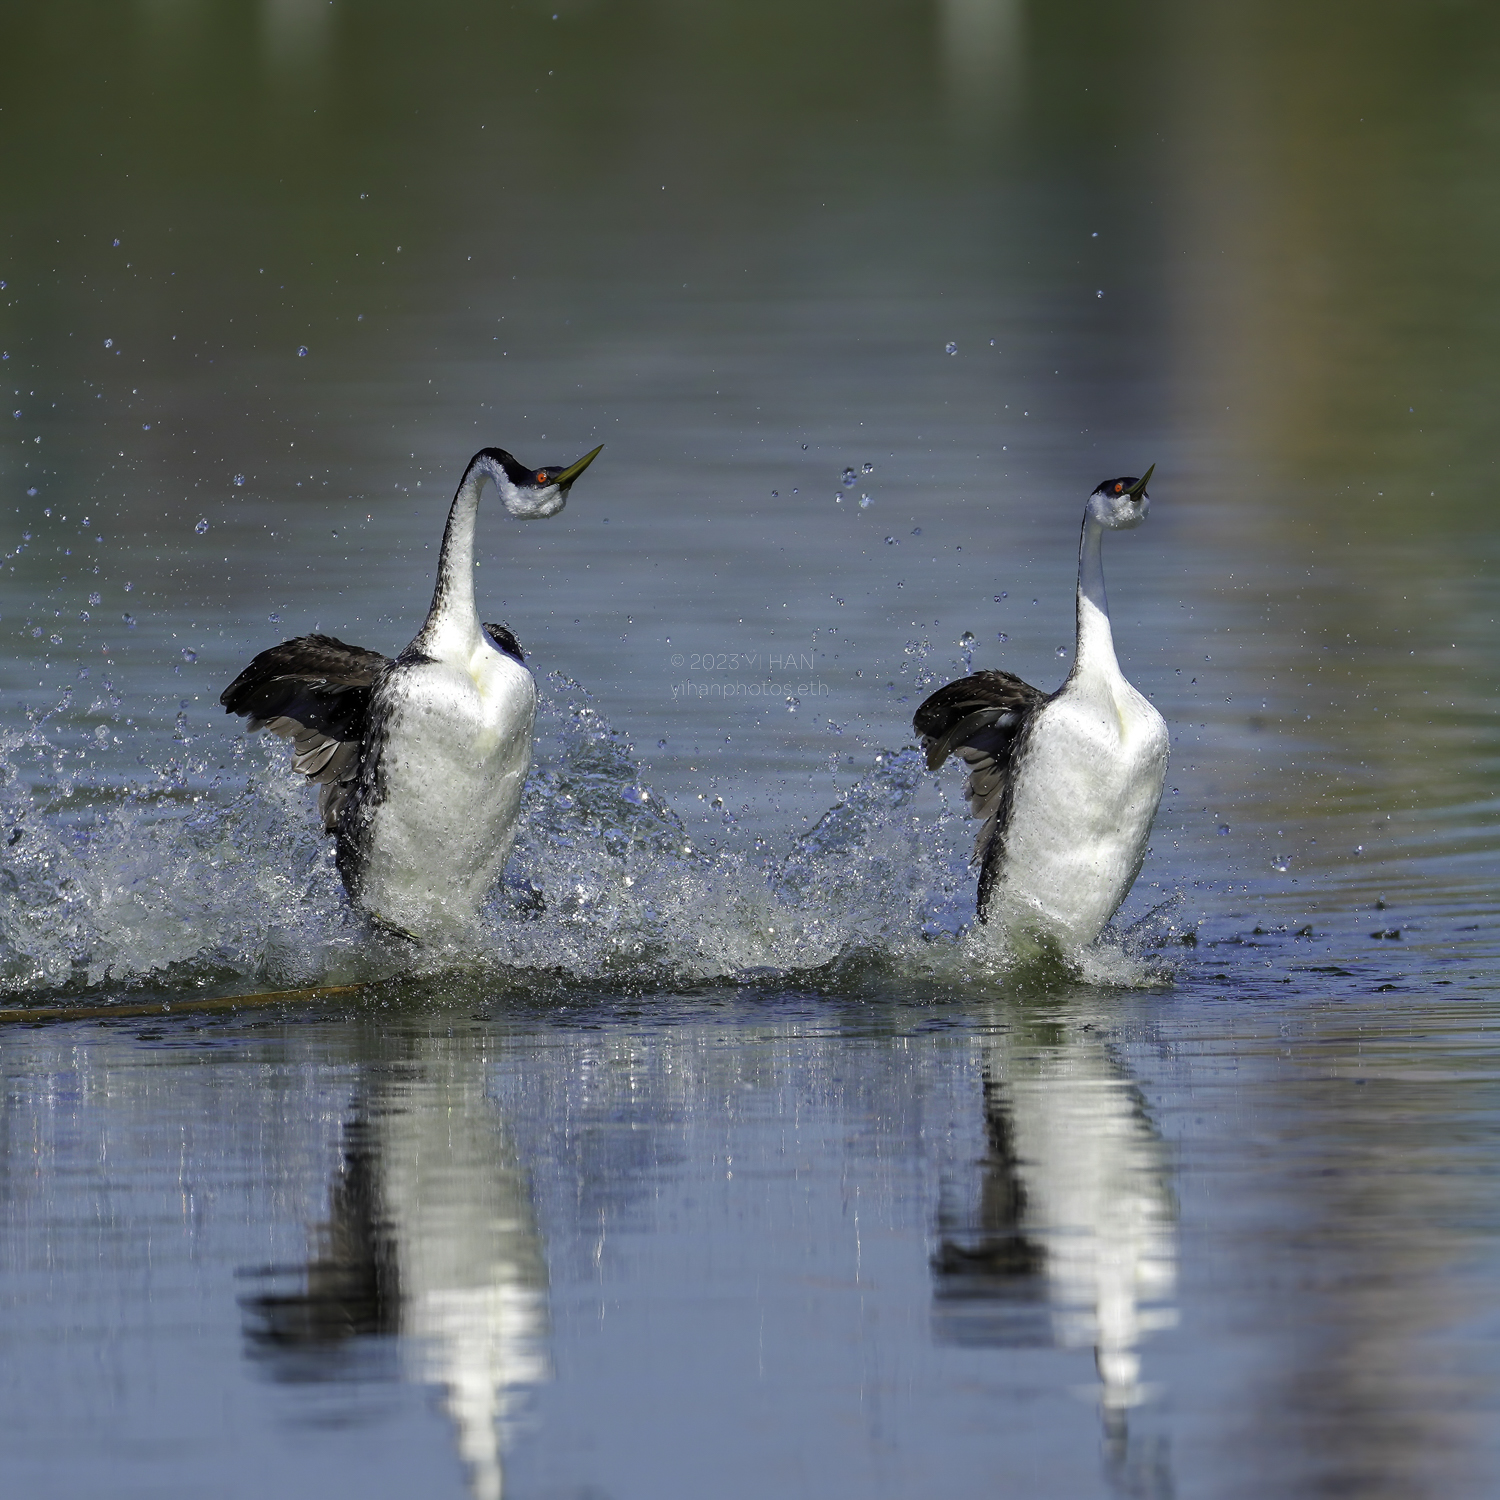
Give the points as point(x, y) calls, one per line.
point(1118, 487)
point(541, 476)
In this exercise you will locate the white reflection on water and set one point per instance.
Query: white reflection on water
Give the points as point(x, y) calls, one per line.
point(430, 1234)
point(296, 34)
point(982, 58)
point(1071, 1237)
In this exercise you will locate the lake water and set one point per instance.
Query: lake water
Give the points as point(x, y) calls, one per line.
point(719, 1164)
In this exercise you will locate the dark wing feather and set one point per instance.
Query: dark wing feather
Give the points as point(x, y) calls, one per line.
point(505, 640)
point(980, 719)
point(315, 692)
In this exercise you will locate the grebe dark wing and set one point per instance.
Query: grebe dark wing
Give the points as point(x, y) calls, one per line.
point(504, 639)
point(980, 719)
point(315, 692)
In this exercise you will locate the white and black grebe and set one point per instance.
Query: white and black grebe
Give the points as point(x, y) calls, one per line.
point(1067, 784)
point(421, 759)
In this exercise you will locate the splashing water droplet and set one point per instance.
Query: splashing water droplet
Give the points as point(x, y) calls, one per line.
point(952, 348)
point(275, 619)
point(1002, 636)
point(95, 600)
point(201, 527)
point(868, 468)
point(1062, 651)
point(302, 351)
point(239, 478)
point(188, 654)
point(864, 502)
point(849, 477)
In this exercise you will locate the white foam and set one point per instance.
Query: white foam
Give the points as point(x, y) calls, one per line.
point(202, 879)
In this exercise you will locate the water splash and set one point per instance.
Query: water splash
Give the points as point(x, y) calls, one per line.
point(207, 872)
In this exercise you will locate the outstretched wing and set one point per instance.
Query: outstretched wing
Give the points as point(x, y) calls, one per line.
point(315, 692)
point(980, 719)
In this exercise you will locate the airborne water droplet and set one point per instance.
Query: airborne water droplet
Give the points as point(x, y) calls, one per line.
point(864, 502)
point(302, 351)
point(276, 618)
point(869, 468)
point(952, 348)
point(239, 478)
point(849, 477)
point(188, 654)
point(201, 527)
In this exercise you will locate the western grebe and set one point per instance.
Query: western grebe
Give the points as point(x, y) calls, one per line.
point(1067, 784)
point(421, 759)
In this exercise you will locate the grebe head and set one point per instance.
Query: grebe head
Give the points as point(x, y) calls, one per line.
point(532, 494)
point(1121, 503)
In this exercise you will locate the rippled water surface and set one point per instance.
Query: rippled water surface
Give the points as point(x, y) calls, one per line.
point(720, 1160)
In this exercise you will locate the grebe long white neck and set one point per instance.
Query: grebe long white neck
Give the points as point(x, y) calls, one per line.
point(451, 630)
point(1117, 505)
point(1094, 649)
